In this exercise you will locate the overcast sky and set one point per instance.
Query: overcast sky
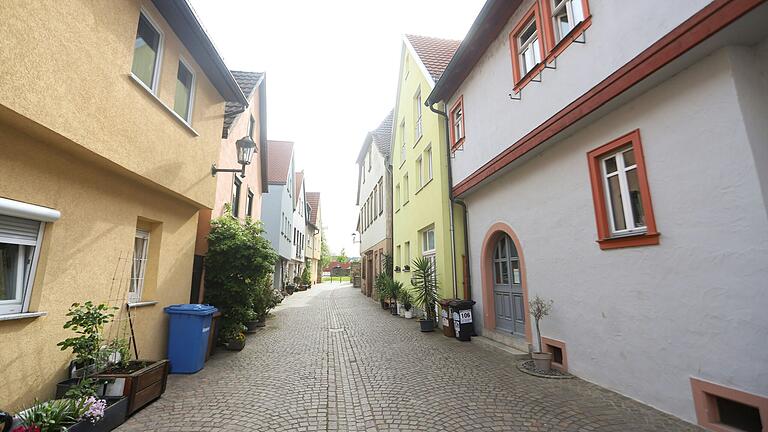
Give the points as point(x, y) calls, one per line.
point(331, 77)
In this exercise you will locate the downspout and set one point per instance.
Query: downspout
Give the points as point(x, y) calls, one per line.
point(466, 246)
point(450, 196)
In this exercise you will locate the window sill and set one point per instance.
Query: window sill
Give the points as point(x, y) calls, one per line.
point(168, 109)
point(644, 239)
point(423, 186)
point(455, 146)
point(135, 305)
point(574, 34)
point(22, 315)
point(529, 76)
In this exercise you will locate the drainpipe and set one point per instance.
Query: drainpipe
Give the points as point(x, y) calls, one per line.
point(450, 196)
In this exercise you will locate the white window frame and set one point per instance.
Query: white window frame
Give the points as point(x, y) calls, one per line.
point(403, 153)
point(398, 197)
point(407, 254)
point(571, 13)
point(406, 189)
point(531, 43)
point(420, 170)
point(458, 124)
point(428, 152)
point(626, 202)
point(191, 102)
point(158, 58)
point(425, 243)
point(138, 279)
point(418, 132)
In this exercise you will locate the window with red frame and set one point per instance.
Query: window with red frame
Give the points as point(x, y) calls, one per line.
point(457, 123)
point(621, 195)
point(527, 47)
point(562, 22)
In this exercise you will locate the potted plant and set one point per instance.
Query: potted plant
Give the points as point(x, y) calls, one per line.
point(54, 415)
point(104, 413)
point(407, 300)
point(539, 309)
point(306, 279)
point(393, 291)
point(397, 269)
point(425, 281)
point(87, 321)
point(382, 288)
point(235, 339)
point(407, 268)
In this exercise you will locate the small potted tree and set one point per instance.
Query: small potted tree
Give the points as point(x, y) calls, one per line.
point(394, 292)
point(382, 288)
point(407, 300)
point(425, 281)
point(539, 309)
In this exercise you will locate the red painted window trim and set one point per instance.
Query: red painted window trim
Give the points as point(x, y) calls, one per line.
point(554, 49)
point(521, 81)
point(548, 342)
point(604, 237)
point(458, 104)
point(704, 402)
point(708, 21)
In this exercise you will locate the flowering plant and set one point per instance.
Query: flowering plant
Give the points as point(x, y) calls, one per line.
point(32, 428)
point(96, 409)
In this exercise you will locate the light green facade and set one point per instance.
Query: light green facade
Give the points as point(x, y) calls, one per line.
point(420, 205)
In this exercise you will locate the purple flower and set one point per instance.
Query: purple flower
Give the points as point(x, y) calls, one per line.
point(96, 409)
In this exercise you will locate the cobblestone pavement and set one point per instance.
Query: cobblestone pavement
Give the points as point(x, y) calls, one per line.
point(331, 359)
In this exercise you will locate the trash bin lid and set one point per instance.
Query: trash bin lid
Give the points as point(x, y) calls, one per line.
point(462, 304)
point(190, 309)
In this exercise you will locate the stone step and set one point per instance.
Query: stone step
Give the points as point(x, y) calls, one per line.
point(514, 352)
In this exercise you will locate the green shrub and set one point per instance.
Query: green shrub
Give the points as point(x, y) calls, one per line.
point(87, 321)
point(239, 264)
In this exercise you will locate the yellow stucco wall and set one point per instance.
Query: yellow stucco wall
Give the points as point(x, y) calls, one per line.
point(66, 65)
point(427, 205)
point(79, 135)
point(100, 212)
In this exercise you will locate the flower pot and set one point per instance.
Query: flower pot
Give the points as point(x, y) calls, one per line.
point(114, 415)
point(427, 325)
point(142, 381)
point(384, 304)
point(542, 360)
point(400, 309)
point(393, 308)
point(408, 314)
point(252, 326)
point(236, 345)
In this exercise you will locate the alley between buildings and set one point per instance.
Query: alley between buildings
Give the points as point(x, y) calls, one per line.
point(331, 359)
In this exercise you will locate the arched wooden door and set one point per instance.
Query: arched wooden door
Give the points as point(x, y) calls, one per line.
point(507, 287)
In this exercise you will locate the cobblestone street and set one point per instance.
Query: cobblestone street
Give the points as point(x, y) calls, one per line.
point(331, 359)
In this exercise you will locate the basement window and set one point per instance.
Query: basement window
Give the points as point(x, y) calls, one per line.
point(737, 415)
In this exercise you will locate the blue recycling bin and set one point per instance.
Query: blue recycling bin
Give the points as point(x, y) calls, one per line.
point(188, 329)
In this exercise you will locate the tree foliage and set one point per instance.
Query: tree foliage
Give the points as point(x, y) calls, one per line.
point(325, 253)
point(240, 262)
point(425, 281)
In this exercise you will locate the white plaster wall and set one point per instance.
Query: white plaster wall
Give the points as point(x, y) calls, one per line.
point(300, 222)
point(643, 320)
point(273, 205)
point(377, 231)
point(620, 30)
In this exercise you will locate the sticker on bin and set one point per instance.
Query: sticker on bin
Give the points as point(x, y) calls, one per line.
point(206, 329)
point(466, 316)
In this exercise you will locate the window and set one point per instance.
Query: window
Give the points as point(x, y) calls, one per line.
point(147, 52)
point(19, 244)
point(368, 158)
point(457, 123)
point(397, 196)
point(417, 110)
point(407, 254)
point(251, 126)
point(566, 14)
point(376, 201)
point(724, 409)
point(428, 157)
point(527, 47)
point(185, 90)
point(428, 241)
point(236, 184)
point(398, 256)
point(420, 170)
point(139, 267)
point(249, 203)
point(406, 190)
point(621, 195)
point(402, 147)
point(381, 196)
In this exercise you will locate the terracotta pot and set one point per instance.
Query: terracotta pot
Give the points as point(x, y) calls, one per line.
point(542, 361)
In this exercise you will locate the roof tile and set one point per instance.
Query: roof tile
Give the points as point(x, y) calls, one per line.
point(435, 53)
point(280, 154)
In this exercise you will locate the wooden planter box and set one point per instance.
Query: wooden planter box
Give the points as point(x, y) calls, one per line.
point(141, 386)
point(114, 415)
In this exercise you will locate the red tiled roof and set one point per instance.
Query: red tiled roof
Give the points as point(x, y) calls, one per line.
point(313, 199)
point(435, 53)
point(280, 154)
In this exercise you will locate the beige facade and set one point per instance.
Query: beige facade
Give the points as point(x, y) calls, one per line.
point(81, 135)
point(314, 246)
